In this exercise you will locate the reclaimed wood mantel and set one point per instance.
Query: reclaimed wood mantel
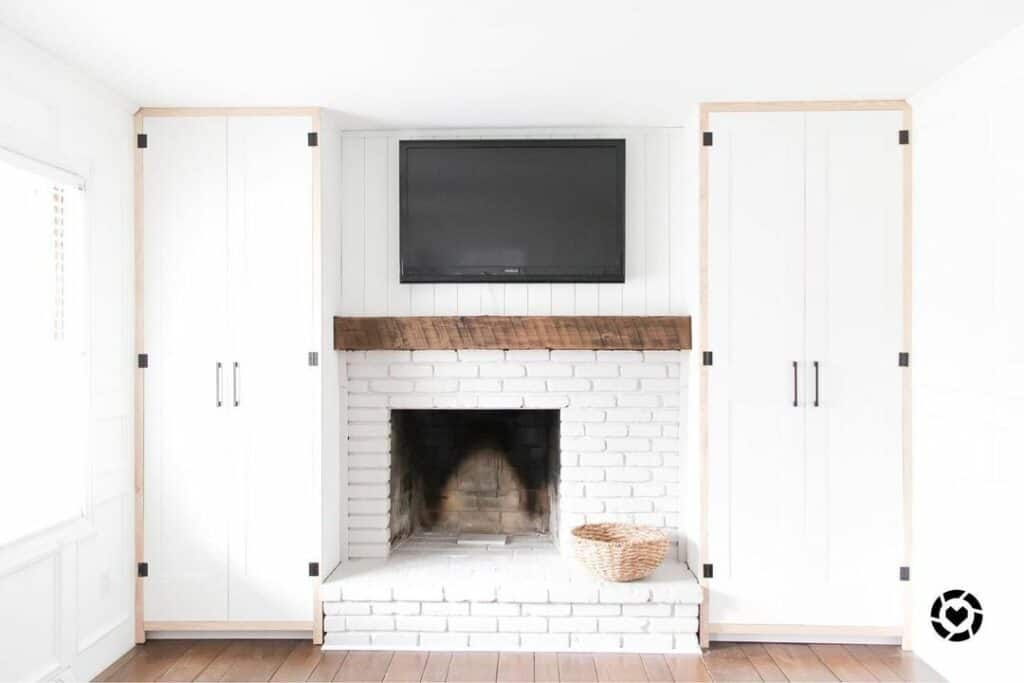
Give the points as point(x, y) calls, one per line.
point(606, 332)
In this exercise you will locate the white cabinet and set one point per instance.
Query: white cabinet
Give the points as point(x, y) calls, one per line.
point(231, 422)
point(804, 320)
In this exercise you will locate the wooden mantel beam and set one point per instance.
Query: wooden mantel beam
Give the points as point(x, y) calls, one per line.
point(652, 333)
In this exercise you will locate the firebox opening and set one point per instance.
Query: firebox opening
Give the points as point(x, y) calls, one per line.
point(474, 471)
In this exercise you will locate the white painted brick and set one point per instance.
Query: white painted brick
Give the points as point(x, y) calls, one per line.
point(500, 401)
point(457, 370)
point(369, 430)
point(582, 474)
point(523, 624)
point(396, 608)
point(356, 385)
point(368, 507)
point(481, 355)
point(372, 623)
point(620, 356)
point(639, 400)
point(378, 445)
point(364, 591)
point(367, 551)
point(646, 642)
point(671, 445)
point(479, 385)
point(502, 370)
point(665, 415)
point(367, 371)
point(434, 356)
point(608, 490)
point(547, 609)
point(382, 535)
point(366, 401)
point(549, 370)
point(367, 415)
point(645, 371)
point(592, 400)
point(411, 371)
point(581, 505)
point(670, 430)
point(601, 459)
point(649, 519)
point(649, 610)
point(548, 642)
point(469, 591)
point(662, 385)
point(352, 356)
point(494, 641)
point(622, 624)
point(334, 623)
point(595, 643)
point(625, 593)
point(419, 591)
point(369, 460)
point(596, 610)
point(523, 592)
point(666, 504)
point(676, 592)
point(574, 592)
point(346, 608)
point(444, 641)
point(674, 371)
point(436, 386)
point(671, 400)
point(346, 641)
point(571, 428)
point(671, 461)
point(528, 355)
point(376, 476)
point(643, 460)
point(628, 505)
point(673, 625)
point(664, 356)
point(686, 610)
point(356, 491)
point(568, 385)
point(597, 370)
point(627, 474)
point(570, 489)
point(455, 401)
point(417, 623)
point(445, 608)
point(524, 385)
point(573, 356)
point(572, 625)
point(604, 429)
point(629, 444)
point(648, 490)
point(583, 445)
point(377, 521)
point(494, 609)
point(583, 415)
point(568, 459)
point(388, 356)
point(397, 641)
point(411, 401)
point(473, 624)
point(615, 385)
point(629, 415)
point(545, 401)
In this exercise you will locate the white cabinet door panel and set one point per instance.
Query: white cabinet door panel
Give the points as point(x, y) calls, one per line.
point(185, 286)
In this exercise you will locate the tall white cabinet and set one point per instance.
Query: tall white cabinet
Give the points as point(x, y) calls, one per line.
point(232, 328)
point(804, 450)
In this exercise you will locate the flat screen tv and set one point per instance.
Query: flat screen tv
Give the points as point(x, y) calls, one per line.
point(512, 210)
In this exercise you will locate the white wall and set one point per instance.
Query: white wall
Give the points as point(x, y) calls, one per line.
point(66, 595)
point(968, 353)
point(654, 235)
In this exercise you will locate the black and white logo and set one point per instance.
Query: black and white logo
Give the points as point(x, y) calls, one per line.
point(956, 615)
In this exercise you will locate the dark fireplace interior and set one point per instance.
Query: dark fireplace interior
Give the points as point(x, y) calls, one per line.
point(474, 471)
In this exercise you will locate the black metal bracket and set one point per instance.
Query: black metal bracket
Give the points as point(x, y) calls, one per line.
point(142, 141)
point(904, 573)
point(707, 358)
point(314, 569)
point(709, 571)
point(143, 360)
point(143, 569)
point(904, 137)
point(313, 139)
point(314, 359)
point(708, 138)
point(904, 359)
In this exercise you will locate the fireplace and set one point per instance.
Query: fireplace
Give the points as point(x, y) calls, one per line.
point(473, 472)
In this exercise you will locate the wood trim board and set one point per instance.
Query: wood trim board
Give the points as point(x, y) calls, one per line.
point(229, 625)
point(512, 332)
point(806, 630)
point(140, 385)
point(707, 108)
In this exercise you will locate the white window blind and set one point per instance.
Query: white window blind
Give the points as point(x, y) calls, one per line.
point(44, 397)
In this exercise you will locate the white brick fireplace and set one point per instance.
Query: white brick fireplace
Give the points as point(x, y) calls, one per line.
point(620, 459)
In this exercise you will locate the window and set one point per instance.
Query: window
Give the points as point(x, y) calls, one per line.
point(44, 398)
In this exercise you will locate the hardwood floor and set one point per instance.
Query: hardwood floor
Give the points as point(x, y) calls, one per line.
point(300, 660)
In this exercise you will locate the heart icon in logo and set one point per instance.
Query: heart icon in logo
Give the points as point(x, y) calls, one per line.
point(956, 616)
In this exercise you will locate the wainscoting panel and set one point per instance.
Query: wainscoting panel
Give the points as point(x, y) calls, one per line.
point(654, 234)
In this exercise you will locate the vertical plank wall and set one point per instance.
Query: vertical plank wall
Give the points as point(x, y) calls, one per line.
point(654, 234)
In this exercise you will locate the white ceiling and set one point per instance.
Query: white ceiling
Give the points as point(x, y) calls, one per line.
point(432, 63)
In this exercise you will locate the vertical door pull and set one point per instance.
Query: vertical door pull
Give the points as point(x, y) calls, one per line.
point(234, 383)
point(219, 377)
point(795, 402)
point(816, 402)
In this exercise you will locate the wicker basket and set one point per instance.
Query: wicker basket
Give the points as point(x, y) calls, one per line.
point(620, 552)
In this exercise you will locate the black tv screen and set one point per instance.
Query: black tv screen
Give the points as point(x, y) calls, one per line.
point(512, 210)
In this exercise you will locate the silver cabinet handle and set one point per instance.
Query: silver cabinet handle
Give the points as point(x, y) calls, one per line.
point(219, 377)
point(816, 402)
point(795, 402)
point(234, 383)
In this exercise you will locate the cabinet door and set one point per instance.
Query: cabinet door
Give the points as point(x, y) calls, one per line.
point(187, 471)
point(758, 518)
point(270, 200)
point(854, 460)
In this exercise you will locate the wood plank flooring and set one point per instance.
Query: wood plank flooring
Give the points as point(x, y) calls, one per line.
point(300, 660)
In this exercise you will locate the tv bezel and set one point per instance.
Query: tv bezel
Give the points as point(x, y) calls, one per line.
point(618, 144)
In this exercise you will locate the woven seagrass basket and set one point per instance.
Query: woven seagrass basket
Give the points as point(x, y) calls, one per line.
point(620, 552)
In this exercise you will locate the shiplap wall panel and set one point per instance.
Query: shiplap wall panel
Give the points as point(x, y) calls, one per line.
point(654, 234)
